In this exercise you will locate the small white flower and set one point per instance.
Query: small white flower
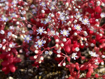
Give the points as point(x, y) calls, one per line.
point(28, 38)
point(4, 18)
point(96, 62)
point(74, 56)
point(93, 54)
point(13, 15)
point(43, 4)
point(39, 43)
point(102, 15)
point(78, 27)
point(103, 56)
point(65, 32)
point(78, 15)
point(14, 2)
point(52, 8)
point(85, 21)
point(40, 30)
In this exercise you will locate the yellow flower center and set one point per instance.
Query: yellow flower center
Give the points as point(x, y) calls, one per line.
point(39, 43)
point(27, 38)
point(40, 30)
point(64, 33)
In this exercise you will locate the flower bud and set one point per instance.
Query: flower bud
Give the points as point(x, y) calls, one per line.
point(96, 75)
point(98, 9)
point(4, 68)
point(88, 74)
point(12, 68)
point(67, 48)
point(5, 63)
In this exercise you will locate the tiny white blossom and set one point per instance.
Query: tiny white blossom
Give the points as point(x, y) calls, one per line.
point(43, 4)
point(85, 21)
point(13, 15)
point(40, 30)
point(78, 15)
point(93, 54)
point(103, 56)
point(78, 27)
point(96, 62)
point(65, 32)
point(102, 15)
point(39, 43)
point(52, 7)
point(4, 18)
point(14, 2)
point(74, 56)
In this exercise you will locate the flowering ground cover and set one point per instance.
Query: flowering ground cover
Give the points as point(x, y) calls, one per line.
point(52, 39)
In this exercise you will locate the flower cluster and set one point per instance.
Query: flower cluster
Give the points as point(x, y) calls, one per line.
point(53, 27)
